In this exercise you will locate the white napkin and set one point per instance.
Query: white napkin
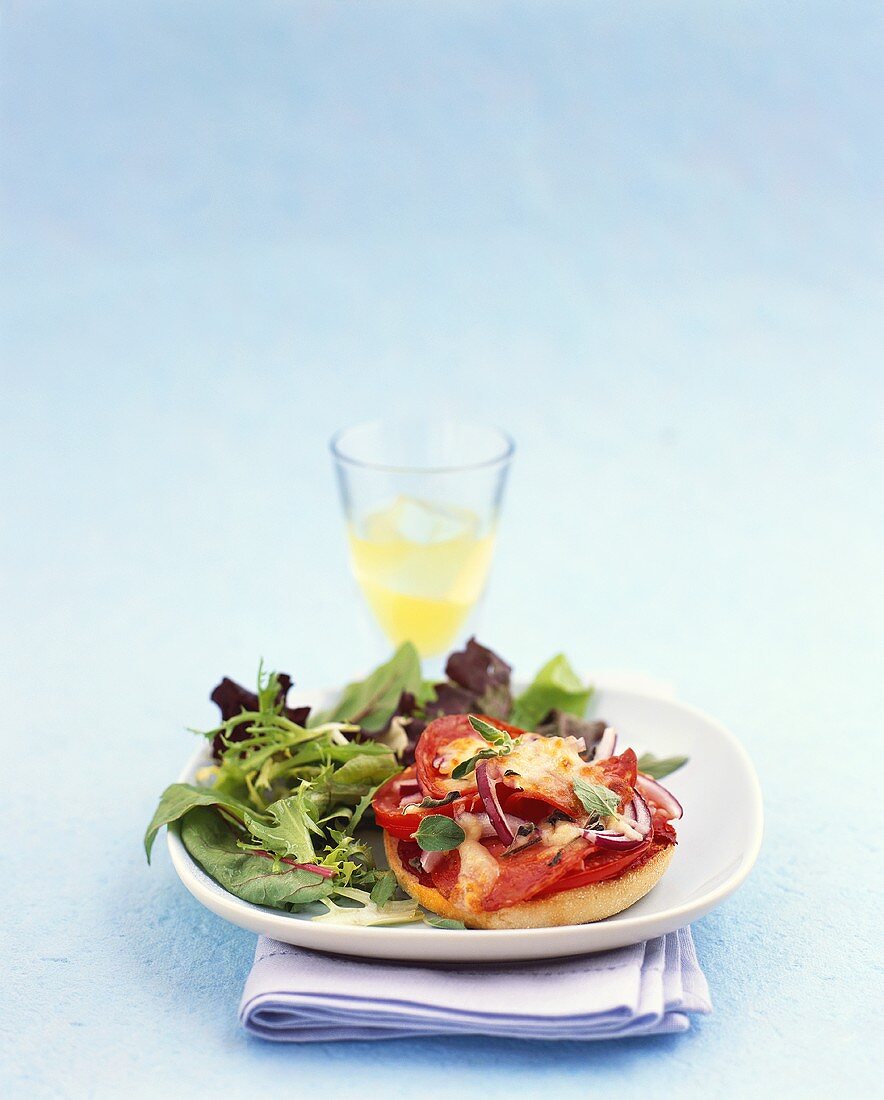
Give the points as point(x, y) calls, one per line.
point(299, 996)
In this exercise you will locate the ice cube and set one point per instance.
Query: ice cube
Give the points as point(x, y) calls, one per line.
point(421, 521)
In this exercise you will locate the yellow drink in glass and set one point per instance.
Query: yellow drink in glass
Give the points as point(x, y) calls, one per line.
point(421, 498)
point(422, 566)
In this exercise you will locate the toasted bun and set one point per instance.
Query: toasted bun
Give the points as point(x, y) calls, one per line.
point(578, 906)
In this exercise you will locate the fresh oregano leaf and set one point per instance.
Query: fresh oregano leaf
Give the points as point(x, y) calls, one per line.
point(437, 833)
point(595, 798)
point(492, 734)
point(433, 803)
point(467, 767)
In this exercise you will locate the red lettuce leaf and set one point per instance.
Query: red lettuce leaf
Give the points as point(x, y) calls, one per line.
point(232, 699)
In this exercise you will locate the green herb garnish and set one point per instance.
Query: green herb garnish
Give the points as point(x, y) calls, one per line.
point(502, 745)
point(595, 798)
point(491, 733)
point(438, 833)
point(432, 803)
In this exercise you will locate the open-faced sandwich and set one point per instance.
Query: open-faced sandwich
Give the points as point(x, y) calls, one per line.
point(502, 828)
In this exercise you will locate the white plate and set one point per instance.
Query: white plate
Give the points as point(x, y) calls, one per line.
point(718, 842)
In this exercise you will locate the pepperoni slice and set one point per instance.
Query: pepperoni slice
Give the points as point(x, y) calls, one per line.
point(533, 871)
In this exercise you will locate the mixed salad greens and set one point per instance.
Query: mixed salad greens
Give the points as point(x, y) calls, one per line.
point(277, 818)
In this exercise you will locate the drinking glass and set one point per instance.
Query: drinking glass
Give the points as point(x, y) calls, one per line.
point(421, 501)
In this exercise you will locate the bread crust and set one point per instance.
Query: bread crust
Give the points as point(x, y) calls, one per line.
point(581, 905)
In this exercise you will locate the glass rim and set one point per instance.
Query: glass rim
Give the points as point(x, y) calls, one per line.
point(508, 448)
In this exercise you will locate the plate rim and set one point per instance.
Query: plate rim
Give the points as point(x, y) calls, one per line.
point(389, 941)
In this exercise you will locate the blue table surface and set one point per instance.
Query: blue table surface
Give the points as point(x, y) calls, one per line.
point(643, 237)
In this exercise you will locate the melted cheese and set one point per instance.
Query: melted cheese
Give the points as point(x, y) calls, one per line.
point(547, 767)
point(541, 766)
point(559, 834)
point(452, 754)
point(618, 824)
point(478, 868)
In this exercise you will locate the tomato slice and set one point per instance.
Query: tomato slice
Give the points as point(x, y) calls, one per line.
point(436, 737)
point(391, 815)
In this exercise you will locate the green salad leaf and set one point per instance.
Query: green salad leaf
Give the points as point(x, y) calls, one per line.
point(180, 798)
point(443, 922)
point(657, 767)
point(366, 912)
point(555, 687)
point(290, 830)
point(384, 888)
point(258, 879)
point(372, 702)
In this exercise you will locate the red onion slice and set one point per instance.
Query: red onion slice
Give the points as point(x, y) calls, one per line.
point(609, 839)
point(431, 860)
point(638, 814)
point(667, 801)
point(488, 794)
point(606, 745)
point(408, 786)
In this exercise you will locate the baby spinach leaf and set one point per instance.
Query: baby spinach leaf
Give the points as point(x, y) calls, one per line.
point(437, 833)
point(252, 877)
point(177, 799)
point(657, 768)
point(372, 702)
point(555, 687)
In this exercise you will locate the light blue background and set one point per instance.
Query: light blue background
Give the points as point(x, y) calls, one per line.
point(646, 238)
